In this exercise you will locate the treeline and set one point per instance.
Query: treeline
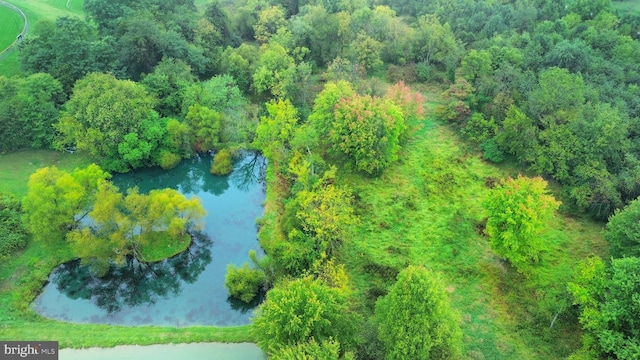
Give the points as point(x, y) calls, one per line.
point(551, 84)
point(566, 76)
point(558, 92)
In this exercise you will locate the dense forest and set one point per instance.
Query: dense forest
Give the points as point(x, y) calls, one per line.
point(338, 95)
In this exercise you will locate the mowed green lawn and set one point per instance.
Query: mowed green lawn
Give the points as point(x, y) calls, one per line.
point(16, 167)
point(35, 11)
point(11, 24)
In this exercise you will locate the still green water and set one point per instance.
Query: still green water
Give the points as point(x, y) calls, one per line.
point(187, 289)
point(198, 351)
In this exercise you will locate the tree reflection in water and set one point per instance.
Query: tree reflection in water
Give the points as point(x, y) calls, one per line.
point(251, 170)
point(243, 307)
point(135, 283)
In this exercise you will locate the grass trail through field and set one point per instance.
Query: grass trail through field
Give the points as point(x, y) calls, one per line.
point(427, 210)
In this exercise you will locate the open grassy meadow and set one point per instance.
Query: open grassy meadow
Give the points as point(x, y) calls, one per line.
point(11, 24)
point(427, 209)
point(632, 6)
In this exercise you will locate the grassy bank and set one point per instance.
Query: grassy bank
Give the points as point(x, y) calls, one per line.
point(22, 277)
point(427, 209)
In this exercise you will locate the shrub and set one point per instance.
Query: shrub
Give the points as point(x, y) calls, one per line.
point(423, 72)
point(168, 160)
point(222, 163)
point(303, 309)
point(622, 231)
point(491, 151)
point(416, 320)
point(244, 282)
point(13, 237)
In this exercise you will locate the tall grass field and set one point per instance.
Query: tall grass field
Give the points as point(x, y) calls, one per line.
point(427, 210)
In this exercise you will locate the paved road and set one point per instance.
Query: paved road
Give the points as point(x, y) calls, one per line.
point(24, 31)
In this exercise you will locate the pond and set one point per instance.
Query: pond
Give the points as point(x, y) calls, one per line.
point(187, 289)
point(197, 351)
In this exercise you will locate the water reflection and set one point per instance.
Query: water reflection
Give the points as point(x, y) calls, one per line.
point(135, 283)
point(194, 176)
point(243, 307)
point(251, 171)
point(189, 288)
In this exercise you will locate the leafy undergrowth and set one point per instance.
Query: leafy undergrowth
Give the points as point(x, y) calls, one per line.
point(427, 209)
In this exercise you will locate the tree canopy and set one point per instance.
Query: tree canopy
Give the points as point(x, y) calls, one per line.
point(416, 320)
point(610, 306)
point(99, 223)
point(518, 210)
point(300, 310)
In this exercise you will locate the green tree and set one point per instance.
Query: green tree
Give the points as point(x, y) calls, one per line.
point(557, 90)
point(416, 320)
point(518, 210)
point(168, 83)
point(222, 163)
point(323, 116)
point(57, 201)
point(269, 21)
point(610, 306)
point(275, 68)
point(240, 66)
point(367, 51)
point(244, 282)
point(101, 111)
point(218, 17)
point(326, 214)
point(176, 144)
point(623, 231)
point(134, 225)
point(13, 235)
point(475, 65)
point(368, 131)
point(589, 9)
point(28, 109)
point(300, 310)
point(205, 127)
point(220, 93)
point(312, 350)
point(63, 49)
point(519, 135)
point(276, 130)
point(435, 41)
